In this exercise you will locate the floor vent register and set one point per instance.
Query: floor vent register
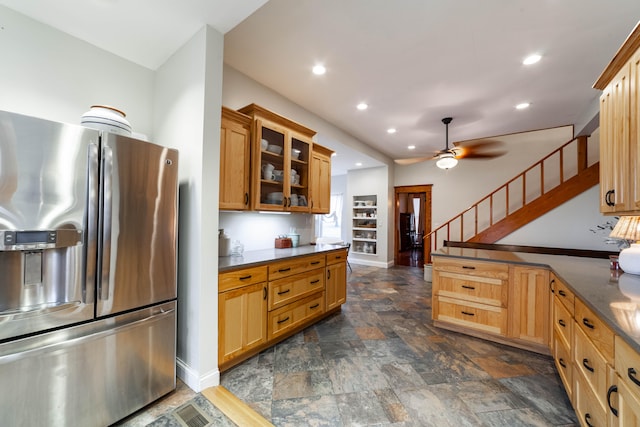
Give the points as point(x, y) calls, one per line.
point(190, 415)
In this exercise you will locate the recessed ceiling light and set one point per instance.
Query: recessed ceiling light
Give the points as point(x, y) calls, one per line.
point(391, 130)
point(362, 106)
point(319, 70)
point(358, 164)
point(411, 147)
point(531, 59)
point(522, 106)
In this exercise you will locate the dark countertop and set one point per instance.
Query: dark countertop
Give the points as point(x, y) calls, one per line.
point(253, 258)
point(608, 295)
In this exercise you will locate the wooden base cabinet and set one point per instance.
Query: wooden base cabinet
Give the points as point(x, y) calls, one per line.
point(336, 284)
point(260, 306)
point(242, 313)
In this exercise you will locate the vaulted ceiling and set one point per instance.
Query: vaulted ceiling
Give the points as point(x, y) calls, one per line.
point(412, 61)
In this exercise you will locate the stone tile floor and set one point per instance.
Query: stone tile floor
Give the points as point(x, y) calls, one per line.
point(380, 362)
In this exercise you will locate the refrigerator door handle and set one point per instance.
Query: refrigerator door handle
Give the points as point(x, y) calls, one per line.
point(105, 237)
point(92, 224)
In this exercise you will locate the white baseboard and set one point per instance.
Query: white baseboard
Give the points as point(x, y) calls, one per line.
point(193, 380)
point(371, 263)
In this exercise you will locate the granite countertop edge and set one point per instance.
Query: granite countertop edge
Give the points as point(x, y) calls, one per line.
point(589, 278)
point(264, 256)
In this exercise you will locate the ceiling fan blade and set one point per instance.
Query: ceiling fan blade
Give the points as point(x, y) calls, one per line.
point(412, 160)
point(472, 155)
point(478, 149)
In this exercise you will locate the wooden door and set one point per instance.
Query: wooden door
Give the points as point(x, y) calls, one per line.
point(529, 305)
point(320, 181)
point(235, 156)
point(336, 285)
point(426, 221)
point(242, 320)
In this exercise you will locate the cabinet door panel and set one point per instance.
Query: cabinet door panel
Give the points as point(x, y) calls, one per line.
point(235, 156)
point(529, 308)
point(336, 288)
point(242, 320)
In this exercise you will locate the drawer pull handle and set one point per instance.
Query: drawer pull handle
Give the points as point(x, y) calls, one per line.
point(587, 418)
point(468, 267)
point(284, 270)
point(283, 320)
point(338, 257)
point(316, 305)
point(468, 287)
point(585, 363)
point(631, 373)
point(467, 313)
point(315, 263)
point(245, 277)
point(551, 283)
point(612, 389)
point(284, 292)
point(562, 293)
point(313, 282)
point(264, 293)
point(588, 324)
point(561, 323)
point(562, 363)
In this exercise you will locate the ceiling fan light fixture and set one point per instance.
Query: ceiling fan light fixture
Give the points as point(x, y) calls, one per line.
point(446, 161)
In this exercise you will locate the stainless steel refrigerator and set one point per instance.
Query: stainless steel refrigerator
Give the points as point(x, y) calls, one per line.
point(88, 251)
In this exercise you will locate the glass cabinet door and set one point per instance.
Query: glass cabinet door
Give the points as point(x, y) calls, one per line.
point(270, 167)
point(299, 174)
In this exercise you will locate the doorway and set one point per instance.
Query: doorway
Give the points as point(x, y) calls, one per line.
point(412, 225)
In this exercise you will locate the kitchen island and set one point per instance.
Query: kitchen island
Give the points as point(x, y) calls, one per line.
point(268, 295)
point(577, 309)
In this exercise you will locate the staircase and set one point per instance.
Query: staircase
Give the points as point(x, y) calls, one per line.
point(553, 180)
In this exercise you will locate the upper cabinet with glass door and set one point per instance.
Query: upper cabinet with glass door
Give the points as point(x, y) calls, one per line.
point(280, 162)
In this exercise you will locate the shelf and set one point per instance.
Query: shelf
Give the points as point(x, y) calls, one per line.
point(364, 229)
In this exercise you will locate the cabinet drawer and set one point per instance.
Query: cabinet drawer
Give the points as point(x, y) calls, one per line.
point(294, 314)
point(472, 267)
point(628, 365)
point(562, 358)
point(595, 329)
point(484, 290)
point(284, 291)
point(293, 266)
point(238, 278)
point(336, 257)
point(563, 293)
point(588, 410)
point(592, 365)
point(562, 322)
point(481, 317)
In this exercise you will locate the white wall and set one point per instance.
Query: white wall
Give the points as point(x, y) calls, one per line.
point(258, 230)
point(188, 100)
point(49, 74)
point(240, 90)
point(52, 75)
point(570, 225)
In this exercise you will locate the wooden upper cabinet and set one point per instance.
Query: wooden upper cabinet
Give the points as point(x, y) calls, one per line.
point(235, 156)
point(320, 180)
point(281, 164)
point(620, 130)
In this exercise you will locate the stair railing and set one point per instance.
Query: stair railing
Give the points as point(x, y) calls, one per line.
point(544, 175)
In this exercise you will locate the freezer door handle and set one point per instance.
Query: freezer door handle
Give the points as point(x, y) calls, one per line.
point(105, 237)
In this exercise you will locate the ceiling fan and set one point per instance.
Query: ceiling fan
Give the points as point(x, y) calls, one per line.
point(448, 158)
